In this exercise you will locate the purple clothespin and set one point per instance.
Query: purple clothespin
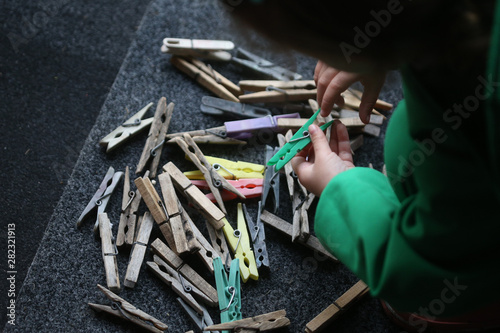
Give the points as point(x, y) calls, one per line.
point(244, 129)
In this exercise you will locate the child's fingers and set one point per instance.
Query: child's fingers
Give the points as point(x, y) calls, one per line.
point(320, 144)
point(369, 98)
point(342, 141)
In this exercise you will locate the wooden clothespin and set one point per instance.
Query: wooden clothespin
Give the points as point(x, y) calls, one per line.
point(188, 292)
point(184, 239)
point(352, 99)
point(201, 321)
point(228, 290)
point(301, 200)
point(109, 253)
point(128, 217)
point(122, 309)
point(260, 323)
point(356, 142)
point(167, 255)
point(200, 48)
point(258, 237)
point(215, 181)
point(101, 198)
point(156, 207)
point(263, 67)
point(211, 212)
point(128, 129)
point(262, 85)
point(279, 96)
point(296, 124)
point(219, 78)
point(152, 149)
point(206, 252)
point(204, 79)
point(221, 107)
point(216, 219)
point(230, 169)
point(239, 242)
point(139, 247)
point(286, 228)
point(321, 321)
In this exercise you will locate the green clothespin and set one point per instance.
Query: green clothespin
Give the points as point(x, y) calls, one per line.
point(228, 290)
point(298, 142)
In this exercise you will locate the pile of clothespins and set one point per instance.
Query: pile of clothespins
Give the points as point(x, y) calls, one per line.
point(216, 181)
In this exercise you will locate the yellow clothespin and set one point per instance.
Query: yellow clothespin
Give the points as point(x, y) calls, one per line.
point(239, 242)
point(231, 169)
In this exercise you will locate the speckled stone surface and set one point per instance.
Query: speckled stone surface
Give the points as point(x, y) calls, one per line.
point(68, 265)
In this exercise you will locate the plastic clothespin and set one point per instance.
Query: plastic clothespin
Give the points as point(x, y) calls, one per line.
point(221, 107)
point(271, 181)
point(230, 169)
point(201, 321)
point(263, 67)
point(250, 188)
point(228, 290)
point(244, 129)
point(101, 198)
point(298, 142)
point(122, 133)
point(202, 48)
point(258, 238)
point(239, 242)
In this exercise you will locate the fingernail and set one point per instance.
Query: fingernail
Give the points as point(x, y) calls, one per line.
point(312, 129)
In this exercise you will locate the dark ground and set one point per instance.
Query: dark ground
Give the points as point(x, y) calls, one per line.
point(53, 86)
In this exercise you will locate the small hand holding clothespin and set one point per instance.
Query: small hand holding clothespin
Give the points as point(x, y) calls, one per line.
point(228, 290)
point(261, 323)
point(296, 143)
point(101, 198)
point(156, 138)
point(122, 309)
point(215, 181)
point(131, 127)
point(239, 242)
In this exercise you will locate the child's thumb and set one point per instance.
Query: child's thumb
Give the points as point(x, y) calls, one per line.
point(319, 141)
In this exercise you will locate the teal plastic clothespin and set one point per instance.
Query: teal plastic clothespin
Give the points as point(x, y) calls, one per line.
point(228, 290)
point(298, 142)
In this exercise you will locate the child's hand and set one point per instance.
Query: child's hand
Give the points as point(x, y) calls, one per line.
point(317, 165)
point(332, 82)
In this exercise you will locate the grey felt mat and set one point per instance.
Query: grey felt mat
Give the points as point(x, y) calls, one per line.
point(68, 265)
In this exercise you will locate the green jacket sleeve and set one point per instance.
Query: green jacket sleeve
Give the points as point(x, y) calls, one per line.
point(415, 260)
